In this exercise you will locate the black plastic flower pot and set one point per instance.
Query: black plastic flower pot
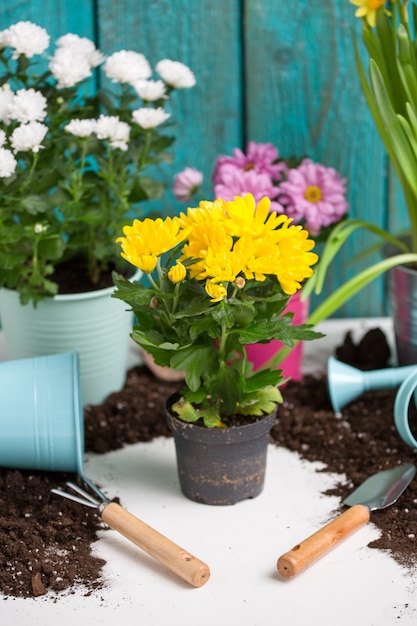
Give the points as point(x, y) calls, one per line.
point(221, 466)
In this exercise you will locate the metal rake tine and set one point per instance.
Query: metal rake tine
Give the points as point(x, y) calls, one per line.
point(96, 490)
point(70, 496)
point(84, 494)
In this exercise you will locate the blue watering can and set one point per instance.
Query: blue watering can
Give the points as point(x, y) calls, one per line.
point(345, 383)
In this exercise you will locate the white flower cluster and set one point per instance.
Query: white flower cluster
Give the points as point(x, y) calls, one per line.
point(72, 62)
point(108, 127)
point(25, 38)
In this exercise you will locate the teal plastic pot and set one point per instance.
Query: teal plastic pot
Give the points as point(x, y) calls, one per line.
point(41, 417)
point(93, 324)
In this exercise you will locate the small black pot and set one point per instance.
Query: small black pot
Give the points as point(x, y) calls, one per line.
point(221, 466)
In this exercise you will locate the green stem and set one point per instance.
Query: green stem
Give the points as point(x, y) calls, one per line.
point(30, 173)
point(145, 151)
point(176, 298)
point(160, 289)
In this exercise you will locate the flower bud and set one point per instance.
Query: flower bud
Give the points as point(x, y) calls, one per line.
point(154, 303)
point(215, 290)
point(240, 282)
point(177, 273)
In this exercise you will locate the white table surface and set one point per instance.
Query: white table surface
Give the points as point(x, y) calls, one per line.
point(351, 585)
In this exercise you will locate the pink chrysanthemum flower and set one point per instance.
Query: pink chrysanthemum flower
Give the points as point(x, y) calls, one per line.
point(260, 157)
point(313, 193)
point(186, 184)
point(236, 182)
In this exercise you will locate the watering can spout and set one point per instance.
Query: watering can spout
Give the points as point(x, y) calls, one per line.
point(345, 383)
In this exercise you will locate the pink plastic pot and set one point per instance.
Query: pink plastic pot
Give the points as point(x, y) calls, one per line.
point(260, 353)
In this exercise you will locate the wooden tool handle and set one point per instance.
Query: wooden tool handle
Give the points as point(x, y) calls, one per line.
point(178, 560)
point(311, 549)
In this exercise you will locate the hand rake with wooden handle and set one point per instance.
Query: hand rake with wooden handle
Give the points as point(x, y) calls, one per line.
point(175, 558)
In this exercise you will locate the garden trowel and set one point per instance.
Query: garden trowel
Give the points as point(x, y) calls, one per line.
point(377, 492)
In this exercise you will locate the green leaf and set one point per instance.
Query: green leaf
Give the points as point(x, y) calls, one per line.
point(262, 379)
point(397, 143)
point(51, 247)
point(193, 360)
point(34, 204)
point(409, 134)
point(135, 294)
point(186, 411)
point(11, 259)
point(228, 385)
point(222, 314)
point(264, 403)
point(412, 118)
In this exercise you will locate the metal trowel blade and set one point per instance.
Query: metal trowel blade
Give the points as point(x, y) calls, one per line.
point(382, 489)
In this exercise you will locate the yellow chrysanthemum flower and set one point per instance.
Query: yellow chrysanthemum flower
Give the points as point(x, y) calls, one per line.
point(295, 259)
point(368, 9)
point(247, 217)
point(221, 266)
point(177, 273)
point(144, 241)
point(203, 237)
point(206, 211)
point(216, 291)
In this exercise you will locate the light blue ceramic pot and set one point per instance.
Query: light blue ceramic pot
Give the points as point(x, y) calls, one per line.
point(93, 323)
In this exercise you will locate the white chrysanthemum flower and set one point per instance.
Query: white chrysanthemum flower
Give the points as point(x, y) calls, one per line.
point(6, 97)
point(81, 128)
point(28, 137)
point(69, 67)
point(120, 137)
point(150, 118)
point(150, 90)
point(83, 46)
point(7, 163)
point(26, 38)
point(115, 131)
point(175, 74)
point(28, 105)
point(127, 66)
point(105, 125)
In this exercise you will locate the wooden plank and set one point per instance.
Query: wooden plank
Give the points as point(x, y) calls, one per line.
point(206, 37)
point(59, 18)
point(303, 94)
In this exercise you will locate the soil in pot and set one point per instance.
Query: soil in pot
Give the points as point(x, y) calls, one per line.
point(72, 277)
point(37, 533)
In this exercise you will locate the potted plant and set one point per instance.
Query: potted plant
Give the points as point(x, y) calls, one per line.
point(310, 193)
point(220, 277)
point(390, 90)
point(75, 162)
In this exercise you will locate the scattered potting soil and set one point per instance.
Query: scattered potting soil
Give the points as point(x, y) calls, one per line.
point(45, 541)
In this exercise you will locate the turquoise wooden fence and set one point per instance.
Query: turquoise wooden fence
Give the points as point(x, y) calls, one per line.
point(267, 70)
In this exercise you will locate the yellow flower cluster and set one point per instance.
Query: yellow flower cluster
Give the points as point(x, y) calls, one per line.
point(224, 241)
point(145, 241)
